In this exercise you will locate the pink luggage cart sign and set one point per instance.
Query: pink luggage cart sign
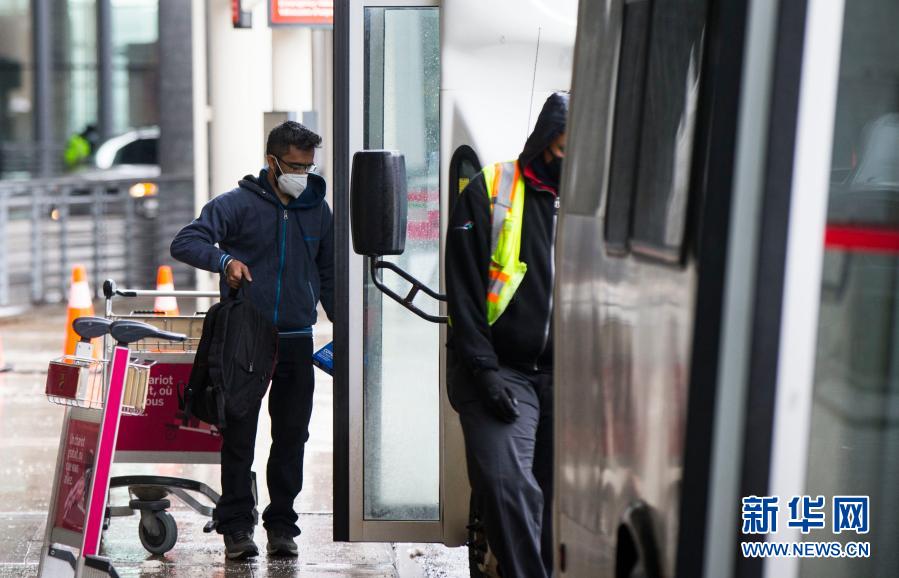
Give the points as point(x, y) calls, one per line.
point(75, 478)
point(162, 428)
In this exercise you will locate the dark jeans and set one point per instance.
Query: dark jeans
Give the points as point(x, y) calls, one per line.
point(510, 468)
point(290, 407)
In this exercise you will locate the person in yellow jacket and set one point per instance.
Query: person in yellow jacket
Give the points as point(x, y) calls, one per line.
point(499, 280)
point(80, 147)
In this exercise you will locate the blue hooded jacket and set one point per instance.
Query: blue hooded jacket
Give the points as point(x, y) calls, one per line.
point(289, 250)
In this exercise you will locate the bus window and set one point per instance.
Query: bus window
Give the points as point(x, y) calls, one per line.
point(626, 132)
point(464, 166)
point(665, 159)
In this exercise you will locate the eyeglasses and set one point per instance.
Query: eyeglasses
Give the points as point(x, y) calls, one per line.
point(297, 168)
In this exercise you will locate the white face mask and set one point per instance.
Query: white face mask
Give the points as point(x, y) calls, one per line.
point(292, 185)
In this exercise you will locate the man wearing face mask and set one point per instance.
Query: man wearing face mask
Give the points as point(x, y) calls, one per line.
point(499, 285)
point(272, 236)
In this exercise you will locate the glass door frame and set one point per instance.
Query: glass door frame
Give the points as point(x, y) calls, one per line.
point(803, 262)
point(358, 528)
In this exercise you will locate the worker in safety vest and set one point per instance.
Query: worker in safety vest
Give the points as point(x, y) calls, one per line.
point(80, 147)
point(499, 279)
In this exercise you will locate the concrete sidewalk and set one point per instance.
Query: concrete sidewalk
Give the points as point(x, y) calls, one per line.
point(29, 436)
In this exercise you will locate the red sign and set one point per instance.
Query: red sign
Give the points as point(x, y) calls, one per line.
point(62, 380)
point(301, 12)
point(861, 239)
point(75, 479)
point(161, 429)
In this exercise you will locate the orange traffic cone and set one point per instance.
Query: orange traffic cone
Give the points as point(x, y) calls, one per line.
point(167, 306)
point(80, 305)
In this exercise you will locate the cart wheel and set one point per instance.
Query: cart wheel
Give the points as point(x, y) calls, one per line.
point(163, 537)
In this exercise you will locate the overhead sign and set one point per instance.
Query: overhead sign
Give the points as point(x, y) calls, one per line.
point(319, 13)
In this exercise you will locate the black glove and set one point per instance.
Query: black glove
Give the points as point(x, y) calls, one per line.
point(496, 396)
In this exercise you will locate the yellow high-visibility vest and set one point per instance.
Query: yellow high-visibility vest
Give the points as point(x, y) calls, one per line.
point(505, 189)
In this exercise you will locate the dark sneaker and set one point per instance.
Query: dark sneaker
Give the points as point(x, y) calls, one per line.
point(240, 545)
point(281, 544)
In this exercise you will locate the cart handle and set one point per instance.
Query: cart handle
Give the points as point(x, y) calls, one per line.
point(110, 290)
point(89, 328)
point(127, 331)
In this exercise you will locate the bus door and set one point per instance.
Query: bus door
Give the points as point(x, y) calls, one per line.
point(835, 446)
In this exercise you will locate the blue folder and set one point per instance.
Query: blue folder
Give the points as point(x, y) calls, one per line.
point(324, 358)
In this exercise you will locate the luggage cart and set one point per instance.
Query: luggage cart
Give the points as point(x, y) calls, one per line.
point(161, 434)
point(97, 392)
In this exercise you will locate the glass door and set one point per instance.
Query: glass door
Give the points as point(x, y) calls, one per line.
point(854, 430)
point(394, 356)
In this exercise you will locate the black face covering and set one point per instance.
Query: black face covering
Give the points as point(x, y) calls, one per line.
point(554, 168)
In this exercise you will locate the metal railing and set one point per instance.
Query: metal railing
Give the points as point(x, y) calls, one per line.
point(48, 225)
point(24, 158)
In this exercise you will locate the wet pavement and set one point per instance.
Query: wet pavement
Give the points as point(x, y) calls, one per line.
point(29, 437)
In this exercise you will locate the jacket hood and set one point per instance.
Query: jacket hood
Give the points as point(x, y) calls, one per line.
point(311, 197)
point(550, 124)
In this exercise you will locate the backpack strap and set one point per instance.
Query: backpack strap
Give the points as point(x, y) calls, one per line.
point(235, 293)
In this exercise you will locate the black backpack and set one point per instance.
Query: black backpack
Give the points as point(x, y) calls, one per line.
point(234, 363)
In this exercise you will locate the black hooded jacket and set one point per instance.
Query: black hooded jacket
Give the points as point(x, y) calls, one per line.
point(522, 336)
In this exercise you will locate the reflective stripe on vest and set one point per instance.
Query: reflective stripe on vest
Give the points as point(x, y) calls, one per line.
point(505, 189)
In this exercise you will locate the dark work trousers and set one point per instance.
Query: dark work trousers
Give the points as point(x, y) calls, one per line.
point(510, 468)
point(290, 407)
